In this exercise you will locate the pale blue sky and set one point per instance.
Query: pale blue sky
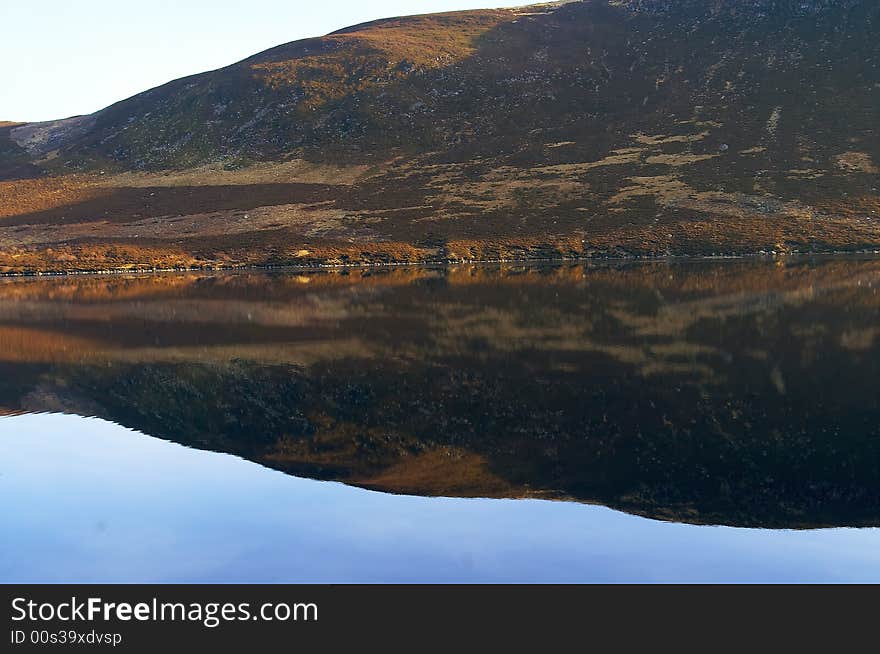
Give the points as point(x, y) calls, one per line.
point(63, 58)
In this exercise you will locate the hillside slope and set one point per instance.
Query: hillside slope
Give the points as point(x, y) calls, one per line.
point(594, 128)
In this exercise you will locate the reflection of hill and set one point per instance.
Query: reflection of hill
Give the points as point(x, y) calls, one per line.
point(739, 393)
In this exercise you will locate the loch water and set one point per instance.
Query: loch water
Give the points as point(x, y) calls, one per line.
point(657, 421)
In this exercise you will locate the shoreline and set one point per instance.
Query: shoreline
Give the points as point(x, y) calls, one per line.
point(446, 263)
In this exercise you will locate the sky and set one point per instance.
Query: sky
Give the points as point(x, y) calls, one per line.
point(63, 58)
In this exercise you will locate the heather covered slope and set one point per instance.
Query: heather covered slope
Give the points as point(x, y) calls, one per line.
point(588, 128)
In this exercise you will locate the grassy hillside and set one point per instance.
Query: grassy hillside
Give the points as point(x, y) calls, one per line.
point(594, 128)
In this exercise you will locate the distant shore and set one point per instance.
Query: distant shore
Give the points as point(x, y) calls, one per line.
point(608, 260)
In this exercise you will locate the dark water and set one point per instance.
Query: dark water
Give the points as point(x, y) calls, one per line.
point(692, 422)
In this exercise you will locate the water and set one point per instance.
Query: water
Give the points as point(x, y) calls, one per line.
point(652, 422)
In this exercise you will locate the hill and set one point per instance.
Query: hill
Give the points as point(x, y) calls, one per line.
point(580, 129)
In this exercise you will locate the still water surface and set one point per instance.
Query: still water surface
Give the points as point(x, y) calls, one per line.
point(660, 422)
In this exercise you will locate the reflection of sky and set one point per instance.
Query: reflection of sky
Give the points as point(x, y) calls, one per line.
point(83, 500)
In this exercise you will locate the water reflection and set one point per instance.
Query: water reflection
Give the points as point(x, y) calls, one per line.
point(87, 501)
point(736, 393)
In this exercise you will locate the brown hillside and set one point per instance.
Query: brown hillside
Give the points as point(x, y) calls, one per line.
point(584, 129)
